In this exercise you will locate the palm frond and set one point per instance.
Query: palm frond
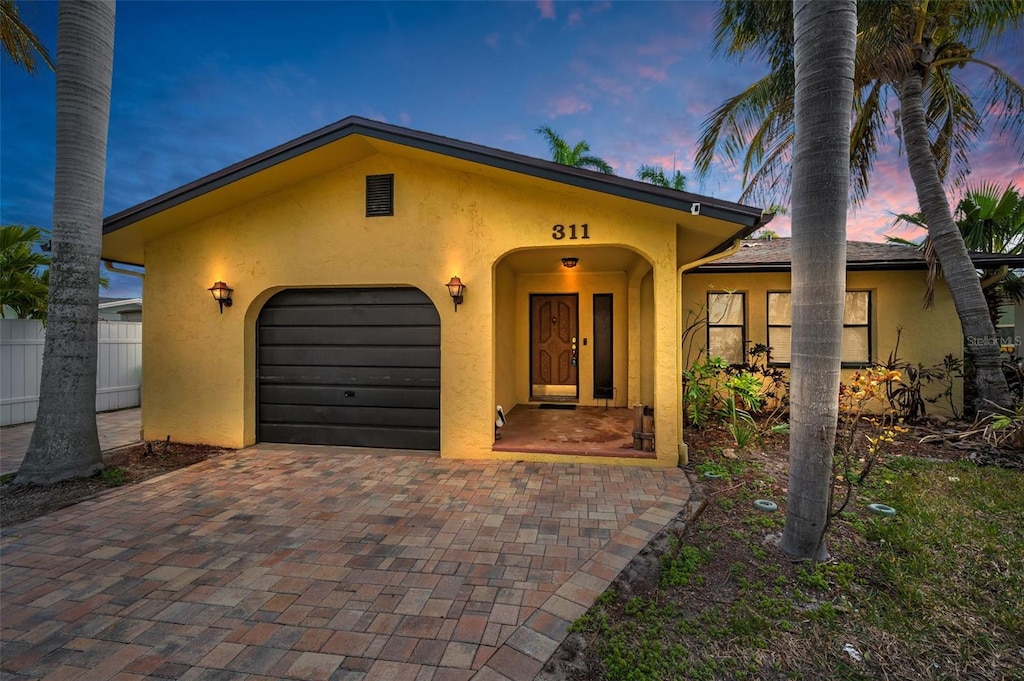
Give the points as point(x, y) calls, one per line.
point(869, 127)
point(954, 124)
point(729, 129)
point(595, 163)
point(762, 28)
point(18, 40)
point(1004, 105)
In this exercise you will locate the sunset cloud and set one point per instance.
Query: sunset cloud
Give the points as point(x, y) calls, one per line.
point(566, 105)
point(547, 9)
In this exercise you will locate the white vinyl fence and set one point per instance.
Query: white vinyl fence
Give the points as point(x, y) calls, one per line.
point(119, 367)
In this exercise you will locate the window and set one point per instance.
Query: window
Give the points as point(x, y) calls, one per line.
point(1006, 328)
point(856, 327)
point(726, 331)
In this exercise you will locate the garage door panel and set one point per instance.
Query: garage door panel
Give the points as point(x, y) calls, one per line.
point(397, 417)
point(358, 367)
point(326, 315)
point(304, 297)
point(412, 377)
point(291, 355)
point(393, 438)
point(351, 335)
point(350, 397)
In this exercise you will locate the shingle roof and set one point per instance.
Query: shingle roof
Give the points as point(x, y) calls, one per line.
point(774, 255)
point(748, 217)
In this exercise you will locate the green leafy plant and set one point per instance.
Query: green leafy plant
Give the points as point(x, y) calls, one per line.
point(114, 476)
point(906, 397)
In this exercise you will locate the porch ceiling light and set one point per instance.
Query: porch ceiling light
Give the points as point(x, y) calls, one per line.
point(455, 290)
point(222, 294)
point(569, 263)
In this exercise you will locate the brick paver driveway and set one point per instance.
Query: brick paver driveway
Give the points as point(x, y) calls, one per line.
point(320, 563)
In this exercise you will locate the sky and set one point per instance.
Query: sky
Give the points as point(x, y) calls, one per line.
point(201, 85)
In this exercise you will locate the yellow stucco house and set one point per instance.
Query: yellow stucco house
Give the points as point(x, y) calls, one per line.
point(746, 295)
point(384, 287)
point(338, 248)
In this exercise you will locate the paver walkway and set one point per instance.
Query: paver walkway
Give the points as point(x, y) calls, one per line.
point(279, 562)
point(116, 429)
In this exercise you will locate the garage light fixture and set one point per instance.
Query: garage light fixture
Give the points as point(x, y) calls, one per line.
point(455, 289)
point(569, 263)
point(222, 294)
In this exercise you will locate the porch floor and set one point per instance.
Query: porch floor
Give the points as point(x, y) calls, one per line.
point(584, 431)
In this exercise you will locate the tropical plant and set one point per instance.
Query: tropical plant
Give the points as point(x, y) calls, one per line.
point(656, 175)
point(577, 156)
point(825, 39)
point(64, 442)
point(991, 220)
point(24, 277)
point(20, 44)
point(906, 48)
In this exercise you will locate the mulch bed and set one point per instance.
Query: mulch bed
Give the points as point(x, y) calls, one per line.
point(124, 466)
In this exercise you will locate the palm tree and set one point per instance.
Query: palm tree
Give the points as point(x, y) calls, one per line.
point(825, 45)
point(20, 44)
point(906, 49)
point(64, 442)
point(656, 175)
point(24, 279)
point(575, 156)
point(991, 220)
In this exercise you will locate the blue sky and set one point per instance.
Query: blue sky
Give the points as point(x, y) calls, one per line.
point(201, 85)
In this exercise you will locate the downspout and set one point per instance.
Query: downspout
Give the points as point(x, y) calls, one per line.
point(737, 244)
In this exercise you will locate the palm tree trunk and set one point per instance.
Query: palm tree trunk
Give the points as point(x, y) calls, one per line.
point(825, 34)
point(65, 443)
point(957, 268)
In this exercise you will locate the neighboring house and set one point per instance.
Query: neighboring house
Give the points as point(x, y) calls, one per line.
point(121, 309)
point(747, 297)
point(339, 247)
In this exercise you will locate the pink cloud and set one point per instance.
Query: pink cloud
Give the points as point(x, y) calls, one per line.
point(652, 73)
point(566, 105)
point(547, 9)
point(575, 18)
point(493, 40)
point(614, 87)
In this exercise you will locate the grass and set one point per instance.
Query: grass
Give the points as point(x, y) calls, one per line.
point(934, 592)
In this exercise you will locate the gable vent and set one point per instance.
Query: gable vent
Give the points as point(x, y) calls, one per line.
point(380, 195)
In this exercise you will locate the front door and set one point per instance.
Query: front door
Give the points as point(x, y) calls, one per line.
point(554, 346)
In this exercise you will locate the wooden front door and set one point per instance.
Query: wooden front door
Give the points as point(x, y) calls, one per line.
point(554, 346)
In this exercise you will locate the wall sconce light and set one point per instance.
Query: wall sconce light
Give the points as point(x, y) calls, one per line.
point(569, 263)
point(455, 289)
point(222, 294)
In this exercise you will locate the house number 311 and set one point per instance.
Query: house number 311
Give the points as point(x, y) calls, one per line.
point(559, 232)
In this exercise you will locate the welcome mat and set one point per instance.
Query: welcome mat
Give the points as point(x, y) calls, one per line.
point(550, 405)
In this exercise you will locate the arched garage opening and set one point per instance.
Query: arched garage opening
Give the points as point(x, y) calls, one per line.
point(357, 367)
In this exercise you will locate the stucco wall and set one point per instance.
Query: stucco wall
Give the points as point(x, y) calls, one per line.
point(200, 365)
point(927, 336)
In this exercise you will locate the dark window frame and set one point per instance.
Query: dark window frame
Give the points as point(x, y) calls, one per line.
point(859, 364)
point(742, 326)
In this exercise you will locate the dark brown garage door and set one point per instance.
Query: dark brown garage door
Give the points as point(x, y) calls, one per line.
point(356, 367)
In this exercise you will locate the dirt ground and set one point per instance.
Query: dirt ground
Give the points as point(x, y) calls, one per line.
point(124, 466)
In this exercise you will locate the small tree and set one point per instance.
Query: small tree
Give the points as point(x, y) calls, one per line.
point(24, 277)
point(577, 156)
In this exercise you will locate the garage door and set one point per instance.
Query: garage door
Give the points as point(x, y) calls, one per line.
point(356, 367)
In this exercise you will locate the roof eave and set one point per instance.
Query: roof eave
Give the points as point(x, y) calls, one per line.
point(750, 218)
